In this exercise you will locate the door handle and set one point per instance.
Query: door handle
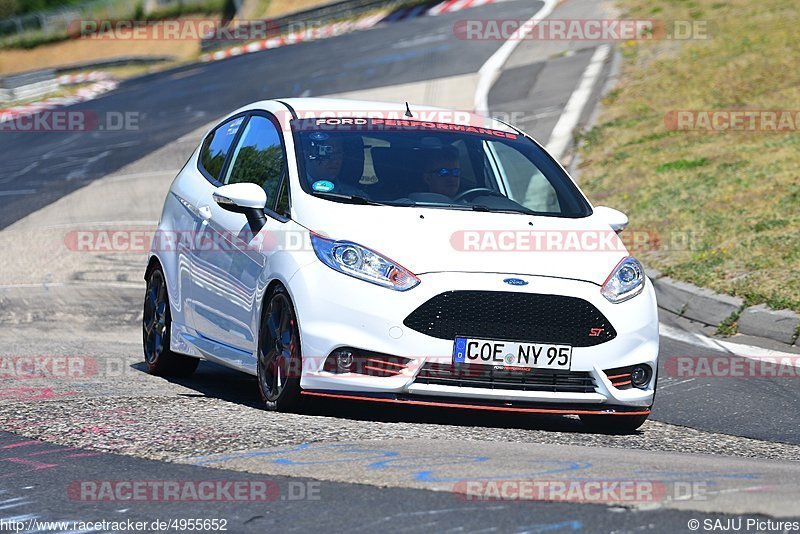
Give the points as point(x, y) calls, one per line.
point(205, 212)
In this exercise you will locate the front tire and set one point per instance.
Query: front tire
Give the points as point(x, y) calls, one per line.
point(279, 360)
point(156, 326)
point(613, 424)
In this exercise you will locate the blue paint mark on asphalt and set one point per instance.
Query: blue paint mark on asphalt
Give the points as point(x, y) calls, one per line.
point(203, 460)
point(418, 462)
point(374, 453)
point(424, 468)
point(427, 476)
point(388, 459)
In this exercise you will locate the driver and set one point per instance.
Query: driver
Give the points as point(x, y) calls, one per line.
point(442, 172)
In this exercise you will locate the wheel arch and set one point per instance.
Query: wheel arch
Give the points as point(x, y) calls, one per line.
point(278, 282)
point(152, 263)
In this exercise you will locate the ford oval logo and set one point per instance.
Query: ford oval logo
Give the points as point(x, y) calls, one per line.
point(515, 282)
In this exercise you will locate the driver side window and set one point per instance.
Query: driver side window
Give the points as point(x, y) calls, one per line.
point(258, 158)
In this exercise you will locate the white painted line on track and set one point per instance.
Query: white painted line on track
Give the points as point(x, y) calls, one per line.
point(490, 70)
point(666, 384)
point(561, 136)
point(737, 349)
point(688, 337)
point(133, 176)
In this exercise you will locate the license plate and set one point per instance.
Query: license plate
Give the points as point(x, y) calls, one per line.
point(512, 354)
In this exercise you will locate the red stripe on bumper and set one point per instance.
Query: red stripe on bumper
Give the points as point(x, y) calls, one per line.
point(471, 406)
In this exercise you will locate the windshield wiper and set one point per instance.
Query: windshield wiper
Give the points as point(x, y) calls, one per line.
point(444, 205)
point(521, 209)
point(352, 199)
point(474, 207)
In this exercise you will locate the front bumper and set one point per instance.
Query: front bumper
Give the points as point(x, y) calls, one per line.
point(335, 310)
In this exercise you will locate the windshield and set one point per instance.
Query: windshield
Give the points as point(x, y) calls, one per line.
point(411, 163)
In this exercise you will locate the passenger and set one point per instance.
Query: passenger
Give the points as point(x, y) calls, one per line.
point(334, 164)
point(325, 160)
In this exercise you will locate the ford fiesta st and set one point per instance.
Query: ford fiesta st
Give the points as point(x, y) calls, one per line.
point(398, 254)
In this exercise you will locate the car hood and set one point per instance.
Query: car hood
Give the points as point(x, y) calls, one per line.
point(426, 240)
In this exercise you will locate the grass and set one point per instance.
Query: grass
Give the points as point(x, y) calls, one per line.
point(34, 39)
point(80, 50)
point(730, 325)
point(736, 193)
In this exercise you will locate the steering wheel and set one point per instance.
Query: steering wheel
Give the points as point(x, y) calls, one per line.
point(473, 192)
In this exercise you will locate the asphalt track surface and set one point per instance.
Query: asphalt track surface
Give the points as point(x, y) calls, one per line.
point(738, 436)
point(30, 494)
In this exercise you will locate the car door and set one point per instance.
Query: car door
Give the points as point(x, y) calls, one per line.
point(229, 257)
point(189, 191)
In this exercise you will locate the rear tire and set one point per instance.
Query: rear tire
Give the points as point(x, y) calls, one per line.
point(613, 424)
point(156, 326)
point(279, 359)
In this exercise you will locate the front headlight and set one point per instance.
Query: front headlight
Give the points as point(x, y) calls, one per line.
point(362, 263)
point(625, 281)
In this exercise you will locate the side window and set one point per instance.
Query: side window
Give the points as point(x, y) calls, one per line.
point(258, 158)
point(529, 186)
point(217, 145)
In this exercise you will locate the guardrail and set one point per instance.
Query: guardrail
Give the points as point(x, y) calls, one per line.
point(27, 85)
point(33, 84)
point(307, 18)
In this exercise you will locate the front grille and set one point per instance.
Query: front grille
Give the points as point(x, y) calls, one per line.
point(486, 376)
point(513, 317)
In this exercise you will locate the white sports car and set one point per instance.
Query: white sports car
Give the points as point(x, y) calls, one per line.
point(415, 255)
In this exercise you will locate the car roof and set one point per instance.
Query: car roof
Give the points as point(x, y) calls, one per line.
point(342, 107)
